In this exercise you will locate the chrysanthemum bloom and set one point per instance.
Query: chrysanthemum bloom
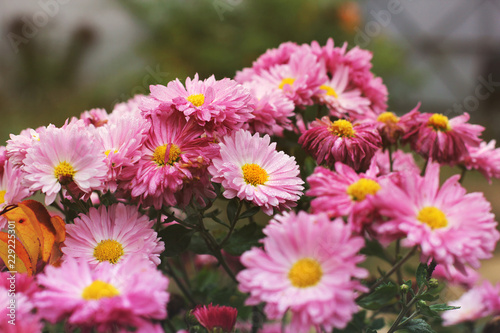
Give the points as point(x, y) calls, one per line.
point(11, 189)
point(128, 108)
point(18, 145)
point(121, 142)
point(401, 161)
point(272, 110)
point(453, 276)
point(63, 157)
point(441, 139)
point(479, 302)
point(112, 234)
point(341, 100)
point(95, 117)
point(298, 80)
point(173, 154)
point(313, 280)
point(343, 192)
point(341, 141)
point(217, 105)
point(449, 225)
point(106, 298)
point(250, 168)
point(485, 159)
point(216, 319)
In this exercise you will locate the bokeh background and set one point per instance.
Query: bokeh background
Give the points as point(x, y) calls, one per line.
point(59, 58)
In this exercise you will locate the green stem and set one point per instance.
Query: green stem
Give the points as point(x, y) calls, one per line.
point(233, 224)
point(181, 286)
point(462, 174)
point(391, 161)
point(404, 310)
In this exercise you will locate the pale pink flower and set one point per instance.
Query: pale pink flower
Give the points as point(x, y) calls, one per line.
point(95, 117)
point(112, 234)
point(250, 168)
point(454, 276)
point(401, 161)
point(307, 266)
point(128, 108)
point(18, 145)
point(106, 298)
point(485, 159)
point(11, 189)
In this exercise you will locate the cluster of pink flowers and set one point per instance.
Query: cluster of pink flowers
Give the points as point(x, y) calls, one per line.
point(167, 151)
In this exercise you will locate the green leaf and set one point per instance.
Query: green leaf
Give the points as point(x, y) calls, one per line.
point(232, 209)
point(426, 310)
point(428, 297)
point(249, 212)
point(243, 239)
point(377, 324)
point(384, 295)
point(370, 330)
point(373, 248)
point(417, 326)
point(443, 307)
point(176, 239)
point(421, 275)
point(356, 325)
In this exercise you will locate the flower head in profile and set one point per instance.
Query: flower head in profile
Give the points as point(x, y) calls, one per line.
point(341, 141)
point(217, 105)
point(108, 297)
point(250, 168)
point(18, 145)
point(68, 156)
point(216, 318)
point(485, 159)
point(307, 266)
point(112, 234)
point(452, 226)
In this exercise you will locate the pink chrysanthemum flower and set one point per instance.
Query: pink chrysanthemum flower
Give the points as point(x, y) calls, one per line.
point(11, 189)
point(128, 108)
point(121, 142)
point(479, 302)
point(485, 159)
point(107, 298)
point(216, 318)
point(449, 225)
point(445, 141)
point(64, 156)
point(250, 168)
point(343, 192)
point(340, 100)
point(314, 281)
point(95, 117)
point(454, 276)
point(272, 110)
point(401, 161)
point(112, 234)
point(18, 145)
point(217, 105)
point(173, 155)
point(341, 141)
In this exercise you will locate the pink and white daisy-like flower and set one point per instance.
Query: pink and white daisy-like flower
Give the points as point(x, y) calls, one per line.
point(64, 156)
point(479, 302)
point(485, 159)
point(217, 105)
point(272, 110)
point(343, 192)
point(341, 141)
point(112, 234)
point(11, 189)
point(250, 168)
point(313, 280)
point(107, 298)
point(216, 318)
point(340, 100)
point(445, 141)
point(449, 225)
point(95, 117)
point(174, 154)
point(128, 108)
point(18, 145)
point(121, 142)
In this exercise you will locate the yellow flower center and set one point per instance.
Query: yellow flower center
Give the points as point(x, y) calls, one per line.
point(388, 118)
point(254, 174)
point(99, 289)
point(160, 153)
point(342, 128)
point(360, 189)
point(329, 90)
point(107, 152)
point(197, 100)
point(439, 122)
point(108, 250)
point(433, 217)
point(2, 196)
point(64, 173)
point(305, 273)
point(287, 80)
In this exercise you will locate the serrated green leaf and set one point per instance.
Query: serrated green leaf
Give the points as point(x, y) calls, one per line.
point(421, 275)
point(384, 294)
point(443, 307)
point(243, 239)
point(250, 212)
point(417, 326)
point(232, 209)
point(176, 239)
point(426, 310)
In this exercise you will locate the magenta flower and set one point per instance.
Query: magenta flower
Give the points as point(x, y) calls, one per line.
point(306, 266)
point(250, 168)
point(109, 297)
point(341, 141)
point(112, 234)
point(216, 319)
